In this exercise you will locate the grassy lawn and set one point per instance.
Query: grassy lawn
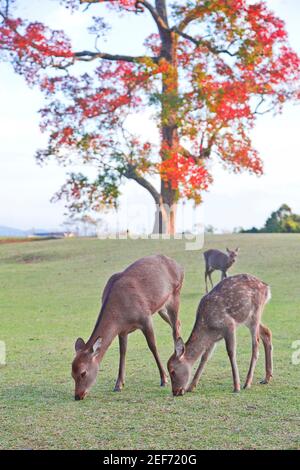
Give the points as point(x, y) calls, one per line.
point(50, 294)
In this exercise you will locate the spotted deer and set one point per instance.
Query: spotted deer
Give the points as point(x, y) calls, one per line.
point(216, 260)
point(235, 301)
point(130, 298)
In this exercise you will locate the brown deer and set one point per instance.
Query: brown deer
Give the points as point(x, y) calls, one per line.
point(216, 260)
point(130, 298)
point(234, 301)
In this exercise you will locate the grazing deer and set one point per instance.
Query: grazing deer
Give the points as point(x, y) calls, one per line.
point(129, 300)
point(217, 260)
point(234, 301)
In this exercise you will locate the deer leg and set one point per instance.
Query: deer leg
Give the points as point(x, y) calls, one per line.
point(121, 377)
point(255, 353)
point(171, 317)
point(206, 274)
point(175, 323)
point(164, 315)
point(200, 369)
point(172, 309)
point(224, 275)
point(266, 337)
point(230, 341)
point(209, 275)
point(149, 335)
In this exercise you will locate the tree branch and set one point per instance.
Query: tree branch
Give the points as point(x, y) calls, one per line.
point(161, 9)
point(261, 113)
point(192, 15)
point(139, 4)
point(130, 173)
point(94, 1)
point(88, 56)
point(157, 18)
point(202, 42)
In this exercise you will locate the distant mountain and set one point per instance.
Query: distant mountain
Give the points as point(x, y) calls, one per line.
point(15, 232)
point(12, 232)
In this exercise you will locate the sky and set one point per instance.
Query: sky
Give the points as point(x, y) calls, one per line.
point(232, 201)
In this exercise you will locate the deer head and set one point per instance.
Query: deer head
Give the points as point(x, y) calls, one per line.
point(85, 367)
point(179, 369)
point(232, 254)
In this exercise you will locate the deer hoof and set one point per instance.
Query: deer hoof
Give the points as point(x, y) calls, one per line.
point(264, 382)
point(246, 386)
point(118, 388)
point(236, 390)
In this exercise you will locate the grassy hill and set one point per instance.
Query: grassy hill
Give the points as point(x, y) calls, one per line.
point(50, 294)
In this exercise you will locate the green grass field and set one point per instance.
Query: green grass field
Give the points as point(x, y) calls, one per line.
point(50, 294)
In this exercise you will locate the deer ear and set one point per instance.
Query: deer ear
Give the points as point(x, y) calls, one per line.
point(227, 249)
point(179, 348)
point(79, 344)
point(97, 346)
point(237, 249)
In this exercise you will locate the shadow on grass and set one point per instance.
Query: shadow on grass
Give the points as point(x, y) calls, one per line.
point(43, 394)
point(51, 394)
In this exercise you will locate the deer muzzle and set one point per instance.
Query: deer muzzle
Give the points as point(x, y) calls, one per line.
point(80, 396)
point(179, 392)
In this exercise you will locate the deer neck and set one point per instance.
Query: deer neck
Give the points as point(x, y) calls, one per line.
point(106, 329)
point(196, 345)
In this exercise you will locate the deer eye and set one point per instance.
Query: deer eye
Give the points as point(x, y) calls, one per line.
point(83, 374)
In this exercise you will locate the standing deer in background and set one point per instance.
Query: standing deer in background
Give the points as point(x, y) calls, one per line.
point(234, 301)
point(217, 260)
point(129, 300)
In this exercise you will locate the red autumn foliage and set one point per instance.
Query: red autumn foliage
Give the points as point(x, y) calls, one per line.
point(32, 46)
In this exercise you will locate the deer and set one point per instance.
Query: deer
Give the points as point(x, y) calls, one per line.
point(130, 298)
point(235, 301)
point(217, 260)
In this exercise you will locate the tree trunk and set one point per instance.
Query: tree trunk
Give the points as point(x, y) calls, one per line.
point(165, 218)
point(169, 125)
point(166, 200)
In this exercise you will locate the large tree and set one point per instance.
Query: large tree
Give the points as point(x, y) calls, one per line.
point(209, 69)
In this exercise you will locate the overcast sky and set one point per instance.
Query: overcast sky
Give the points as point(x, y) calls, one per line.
point(233, 200)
